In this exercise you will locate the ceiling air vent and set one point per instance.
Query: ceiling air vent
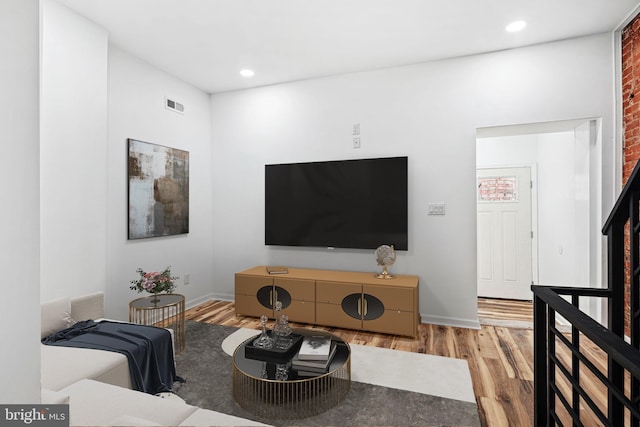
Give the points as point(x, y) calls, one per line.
point(172, 105)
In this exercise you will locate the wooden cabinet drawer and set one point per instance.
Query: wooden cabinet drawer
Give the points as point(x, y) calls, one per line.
point(249, 285)
point(334, 292)
point(333, 315)
point(394, 298)
point(301, 311)
point(393, 322)
point(299, 289)
point(248, 305)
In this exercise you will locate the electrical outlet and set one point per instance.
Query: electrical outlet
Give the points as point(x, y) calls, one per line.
point(356, 142)
point(356, 129)
point(187, 278)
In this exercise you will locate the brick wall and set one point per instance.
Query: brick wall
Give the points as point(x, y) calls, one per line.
point(631, 119)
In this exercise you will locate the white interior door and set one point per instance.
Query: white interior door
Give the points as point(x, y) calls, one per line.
point(504, 233)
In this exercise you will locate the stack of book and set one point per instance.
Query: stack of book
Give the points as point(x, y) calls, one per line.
point(314, 356)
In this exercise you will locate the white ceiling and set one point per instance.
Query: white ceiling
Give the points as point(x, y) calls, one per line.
point(207, 42)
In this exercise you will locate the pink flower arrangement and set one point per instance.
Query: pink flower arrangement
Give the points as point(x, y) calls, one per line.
point(154, 282)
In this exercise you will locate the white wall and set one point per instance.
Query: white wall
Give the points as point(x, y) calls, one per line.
point(136, 110)
point(95, 96)
point(73, 164)
point(559, 252)
point(429, 112)
point(19, 218)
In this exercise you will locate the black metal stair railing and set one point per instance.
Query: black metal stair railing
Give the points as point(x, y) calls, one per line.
point(559, 390)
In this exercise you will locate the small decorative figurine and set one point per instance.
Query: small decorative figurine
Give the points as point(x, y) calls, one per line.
point(264, 340)
point(281, 329)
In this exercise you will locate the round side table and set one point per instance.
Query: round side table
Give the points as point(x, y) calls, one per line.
point(163, 311)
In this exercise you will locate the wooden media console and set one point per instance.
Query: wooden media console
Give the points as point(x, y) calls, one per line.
point(343, 299)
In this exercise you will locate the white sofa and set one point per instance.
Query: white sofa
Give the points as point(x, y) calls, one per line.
point(96, 383)
point(62, 366)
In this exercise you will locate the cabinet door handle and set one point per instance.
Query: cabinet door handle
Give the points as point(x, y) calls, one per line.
point(359, 306)
point(366, 307)
point(271, 298)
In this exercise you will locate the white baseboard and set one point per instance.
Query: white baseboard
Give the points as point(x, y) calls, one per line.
point(223, 297)
point(208, 297)
point(450, 321)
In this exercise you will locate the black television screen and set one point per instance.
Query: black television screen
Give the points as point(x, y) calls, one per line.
point(342, 204)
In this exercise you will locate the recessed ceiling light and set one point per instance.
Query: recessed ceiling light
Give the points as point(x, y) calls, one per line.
point(516, 26)
point(246, 73)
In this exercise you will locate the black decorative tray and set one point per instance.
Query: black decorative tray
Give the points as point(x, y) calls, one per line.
point(273, 354)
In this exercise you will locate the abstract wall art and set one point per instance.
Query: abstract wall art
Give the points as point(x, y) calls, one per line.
point(158, 190)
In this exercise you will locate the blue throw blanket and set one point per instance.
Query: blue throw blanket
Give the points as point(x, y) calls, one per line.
point(149, 350)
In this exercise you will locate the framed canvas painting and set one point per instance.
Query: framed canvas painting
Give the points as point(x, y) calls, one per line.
point(158, 190)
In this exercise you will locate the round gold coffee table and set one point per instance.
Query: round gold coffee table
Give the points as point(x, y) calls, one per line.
point(299, 394)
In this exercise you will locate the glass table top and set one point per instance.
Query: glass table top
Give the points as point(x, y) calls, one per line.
point(270, 367)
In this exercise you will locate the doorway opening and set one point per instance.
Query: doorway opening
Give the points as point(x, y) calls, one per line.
point(564, 160)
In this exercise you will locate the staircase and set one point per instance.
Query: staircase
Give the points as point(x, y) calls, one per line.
point(560, 395)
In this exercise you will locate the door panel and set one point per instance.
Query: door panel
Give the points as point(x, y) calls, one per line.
point(485, 246)
point(504, 239)
point(510, 246)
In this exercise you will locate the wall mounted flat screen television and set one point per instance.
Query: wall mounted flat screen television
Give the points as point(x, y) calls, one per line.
point(337, 204)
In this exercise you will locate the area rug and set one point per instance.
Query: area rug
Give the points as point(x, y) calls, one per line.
point(389, 387)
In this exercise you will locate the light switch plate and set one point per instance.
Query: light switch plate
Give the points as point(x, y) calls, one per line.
point(436, 208)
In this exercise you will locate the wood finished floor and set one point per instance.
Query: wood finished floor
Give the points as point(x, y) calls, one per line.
point(500, 358)
point(505, 309)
